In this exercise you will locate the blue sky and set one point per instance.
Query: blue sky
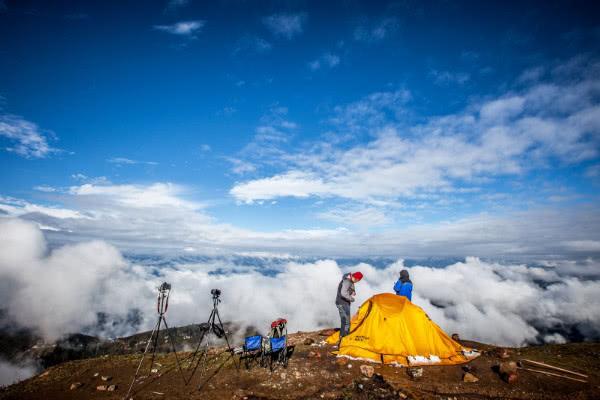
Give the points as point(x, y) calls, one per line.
point(345, 128)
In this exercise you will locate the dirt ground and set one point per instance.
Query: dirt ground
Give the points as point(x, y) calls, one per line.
point(314, 373)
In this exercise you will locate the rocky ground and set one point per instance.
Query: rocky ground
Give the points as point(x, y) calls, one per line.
point(314, 372)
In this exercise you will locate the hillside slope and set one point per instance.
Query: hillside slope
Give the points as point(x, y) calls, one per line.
point(313, 372)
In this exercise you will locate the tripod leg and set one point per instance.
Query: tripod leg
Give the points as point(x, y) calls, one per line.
point(173, 346)
point(226, 339)
point(160, 318)
point(210, 318)
point(201, 359)
point(137, 371)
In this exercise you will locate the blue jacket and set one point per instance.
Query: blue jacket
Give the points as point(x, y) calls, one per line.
point(403, 289)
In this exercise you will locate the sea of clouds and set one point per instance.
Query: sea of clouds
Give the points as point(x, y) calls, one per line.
point(60, 291)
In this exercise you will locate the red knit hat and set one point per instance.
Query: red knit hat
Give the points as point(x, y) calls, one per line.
point(357, 275)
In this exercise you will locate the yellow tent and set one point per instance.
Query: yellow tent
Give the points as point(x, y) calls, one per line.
point(390, 329)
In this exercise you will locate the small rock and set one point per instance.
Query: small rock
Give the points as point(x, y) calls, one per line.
point(415, 372)
point(44, 374)
point(510, 378)
point(502, 353)
point(367, 370)
point(349, 365)
point(154, 370)
point(101, 388)
point(455, 337)
point(327, 332)
point(313, 354)
point(341, 361)
point(111, 388)
point(509, 367)
point(308, 341)
point(283, 375)
point(76, 385)
point(96, 374)
point(402, 395)
point(106, 378)
point(469, 377)
point(297, 375)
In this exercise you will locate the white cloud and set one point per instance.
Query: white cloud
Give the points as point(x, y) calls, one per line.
point(159, 218)
point(292, 183)
point(372, 111)
point(285, 25)
point(447, 77)
point(377, 31)
point(241, 167)
point(357, 216)
point(45, 188)
point(98, 180)
point(15, 207)
point(509, 135)
point(274, 131)
point(156, 195)
point(327, 60)
point(26, 138)
point(11, 373)
point(184, 28)
point(127, 161)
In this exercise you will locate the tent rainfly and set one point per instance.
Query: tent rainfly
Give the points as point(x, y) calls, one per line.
point(389, 329)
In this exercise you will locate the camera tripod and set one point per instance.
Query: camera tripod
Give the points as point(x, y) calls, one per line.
point(162, 304)
point(214, 326)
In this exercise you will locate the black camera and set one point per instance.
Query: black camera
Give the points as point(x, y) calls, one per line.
point(164, 287)
point(215, 292)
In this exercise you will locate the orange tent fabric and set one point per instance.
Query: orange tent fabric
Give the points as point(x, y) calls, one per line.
point(390, 329)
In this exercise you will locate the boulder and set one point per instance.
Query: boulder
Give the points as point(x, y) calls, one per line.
point(367, 370)
point(470, 378)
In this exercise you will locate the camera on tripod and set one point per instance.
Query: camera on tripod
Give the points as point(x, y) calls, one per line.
point(164, 287)
point(215, 293)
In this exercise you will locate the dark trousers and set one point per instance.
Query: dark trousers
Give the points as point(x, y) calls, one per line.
point(344, 310)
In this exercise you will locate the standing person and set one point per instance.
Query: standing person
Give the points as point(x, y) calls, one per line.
point(404, 286)
point(345, 296)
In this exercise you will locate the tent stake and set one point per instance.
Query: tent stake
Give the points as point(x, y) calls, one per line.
point(553, 367)
point(552, 374)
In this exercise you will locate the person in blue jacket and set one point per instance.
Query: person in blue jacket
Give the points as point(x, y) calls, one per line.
point(403, 286)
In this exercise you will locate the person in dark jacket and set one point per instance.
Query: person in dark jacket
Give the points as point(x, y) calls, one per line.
point(404, 286)
point(345, 296)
